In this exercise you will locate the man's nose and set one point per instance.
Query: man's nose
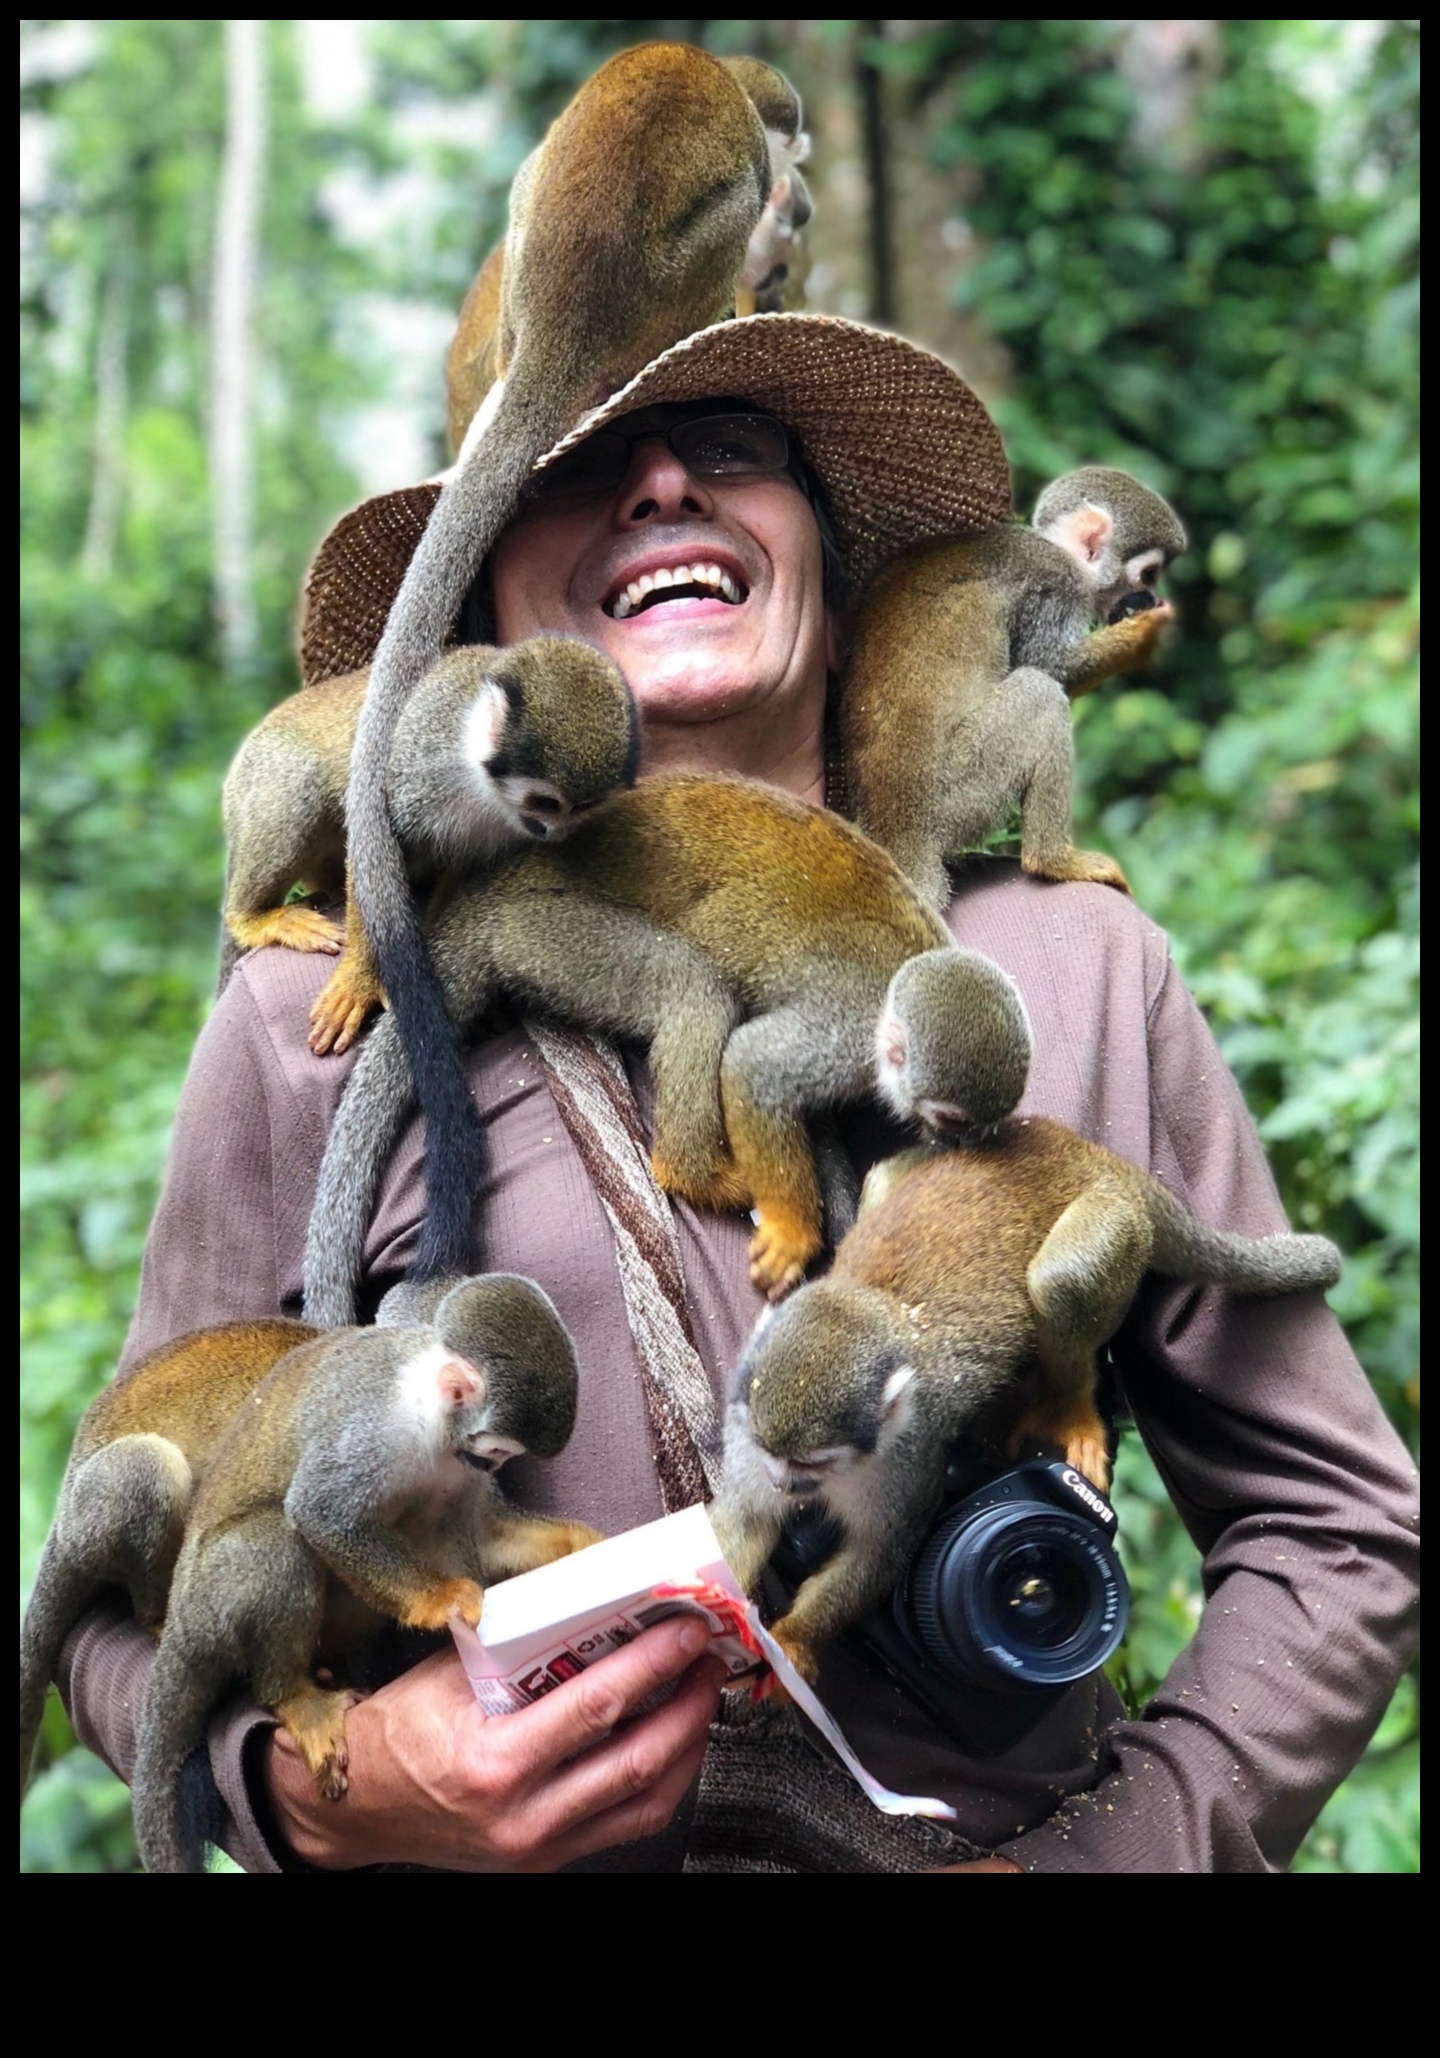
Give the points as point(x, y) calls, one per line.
point(658, 487)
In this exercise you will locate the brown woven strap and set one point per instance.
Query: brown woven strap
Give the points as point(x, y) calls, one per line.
point(593, 1097)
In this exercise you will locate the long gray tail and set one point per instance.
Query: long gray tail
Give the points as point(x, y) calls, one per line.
point(476, 503)
point(60, 1597)
point(185, 1685)
point(378, 1096)
point(1252, 1264)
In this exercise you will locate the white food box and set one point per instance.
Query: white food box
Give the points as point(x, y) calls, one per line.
point(543, 1627)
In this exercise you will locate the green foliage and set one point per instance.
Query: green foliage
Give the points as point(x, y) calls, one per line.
point(1228, 306)
point(1230, 310)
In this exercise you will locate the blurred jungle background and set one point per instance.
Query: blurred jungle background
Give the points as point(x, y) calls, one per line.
point(1185, 247)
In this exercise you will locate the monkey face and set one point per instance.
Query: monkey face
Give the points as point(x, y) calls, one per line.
point(823, 1385)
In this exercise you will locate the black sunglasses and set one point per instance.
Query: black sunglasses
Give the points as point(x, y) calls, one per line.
point(712, 446)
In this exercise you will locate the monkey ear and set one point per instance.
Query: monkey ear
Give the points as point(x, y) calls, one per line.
point(459, 1383)
point(894, 1044)
point(1093, 531)
point(1084, 534)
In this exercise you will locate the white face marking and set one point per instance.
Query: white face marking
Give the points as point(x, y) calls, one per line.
point(895, 1386)
point(1145, 569)
point(485, 724)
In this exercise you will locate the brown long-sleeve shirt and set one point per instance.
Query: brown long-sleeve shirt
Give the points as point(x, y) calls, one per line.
point(1262, 1424)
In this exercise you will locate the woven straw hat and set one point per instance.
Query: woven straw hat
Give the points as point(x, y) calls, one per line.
point(906, 451)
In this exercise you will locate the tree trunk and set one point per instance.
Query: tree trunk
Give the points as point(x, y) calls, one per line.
point(112, 402)
point(232, 305)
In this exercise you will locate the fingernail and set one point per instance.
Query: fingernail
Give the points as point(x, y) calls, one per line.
point(694, 1637)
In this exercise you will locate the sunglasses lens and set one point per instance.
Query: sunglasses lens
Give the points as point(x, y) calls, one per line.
point(713, 446)
point(592, 467)
point(731, 443)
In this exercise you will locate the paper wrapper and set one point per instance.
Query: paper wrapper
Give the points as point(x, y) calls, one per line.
point(544, 1627)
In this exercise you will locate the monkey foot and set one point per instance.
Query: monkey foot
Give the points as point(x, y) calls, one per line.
point(434, 1608)
point(316, 1720)
point(717, 1186)
point(339, 1010)
point(1081, 1436)
point(780, 1249)
point(1091, 866)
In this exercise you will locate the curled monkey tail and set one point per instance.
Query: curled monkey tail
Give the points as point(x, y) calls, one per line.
point(1184, 1249)
point(506, 437)
point(61, 1595)
point(185, 1685)
point(377, 1098)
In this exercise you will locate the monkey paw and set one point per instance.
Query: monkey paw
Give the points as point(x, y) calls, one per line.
point(339, 1010)
point(1136, 639)
point(1082, 1438)
point(782, 1246)
point(801, 1656)
point(434, 1608)
point(316, 1720)
point(300, 927)
point(1091, 866)
point(296, 926)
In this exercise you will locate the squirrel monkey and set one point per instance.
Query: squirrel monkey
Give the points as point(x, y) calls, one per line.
point(493, 748)
point(964, 657)
point(139, 1451)
point(355, 1486)
point(743, 935)
point(994, 1267)
point(475, 361)
point(629, 226)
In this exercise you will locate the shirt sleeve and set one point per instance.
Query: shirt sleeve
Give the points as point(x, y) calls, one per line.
point(1302, 1500)
point(222, 1218)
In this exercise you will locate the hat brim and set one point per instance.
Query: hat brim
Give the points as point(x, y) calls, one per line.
point(906, 452)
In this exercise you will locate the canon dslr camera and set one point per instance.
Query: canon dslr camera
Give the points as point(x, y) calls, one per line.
point(1014, 1595)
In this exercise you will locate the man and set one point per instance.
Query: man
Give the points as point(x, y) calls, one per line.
point(1262, 1424)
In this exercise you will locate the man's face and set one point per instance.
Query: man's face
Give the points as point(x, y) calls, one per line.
point(724, 678)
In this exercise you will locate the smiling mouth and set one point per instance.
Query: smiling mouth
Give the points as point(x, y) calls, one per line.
point(678, 582)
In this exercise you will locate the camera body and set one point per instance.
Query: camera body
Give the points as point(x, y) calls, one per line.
point(1014, 1595)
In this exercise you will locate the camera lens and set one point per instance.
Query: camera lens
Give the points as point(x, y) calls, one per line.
point(1021, 1594)
point(1045, 1593)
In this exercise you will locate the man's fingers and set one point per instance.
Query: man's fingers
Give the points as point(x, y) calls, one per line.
point(586, 1709)
point(631, 1785)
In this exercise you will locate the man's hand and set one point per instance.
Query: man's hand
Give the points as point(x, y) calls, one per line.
point(433, 1781)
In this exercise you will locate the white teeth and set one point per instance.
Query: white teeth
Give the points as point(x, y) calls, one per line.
point(711, 575)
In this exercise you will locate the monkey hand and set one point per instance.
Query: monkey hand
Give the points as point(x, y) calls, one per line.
point(1131, 643)
point(433, 1607)
point(315, 1719)
point(1114, 651)
point(780, 1249)
point(340, 1008)
point(299, 925)
point(1078, 1432)
point(800, 1654)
